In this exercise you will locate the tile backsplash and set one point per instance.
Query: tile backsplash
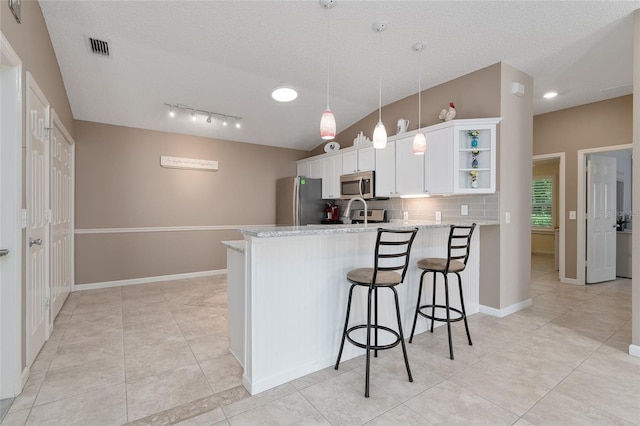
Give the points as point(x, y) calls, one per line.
point(481, 207)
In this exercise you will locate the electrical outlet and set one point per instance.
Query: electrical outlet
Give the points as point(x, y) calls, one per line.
point(464, 210)
point(438, 216)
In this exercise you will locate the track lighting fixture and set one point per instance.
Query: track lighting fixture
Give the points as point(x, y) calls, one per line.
point(195, 112)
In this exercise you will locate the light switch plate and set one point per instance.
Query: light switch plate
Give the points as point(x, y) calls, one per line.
point(438, 216)
point(572, 215)
point(507, 217)
point(464, 210)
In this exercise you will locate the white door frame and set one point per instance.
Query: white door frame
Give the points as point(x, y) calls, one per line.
point(561, 207)
point(582, 200)
point(11, 323)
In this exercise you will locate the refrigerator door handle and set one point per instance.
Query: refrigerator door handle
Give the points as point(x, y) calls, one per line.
point(296, 201)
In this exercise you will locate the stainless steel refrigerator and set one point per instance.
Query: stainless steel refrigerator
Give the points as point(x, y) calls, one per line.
point(299, 201)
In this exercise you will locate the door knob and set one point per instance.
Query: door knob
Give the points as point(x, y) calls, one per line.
point(4, 252)
point(36, 242)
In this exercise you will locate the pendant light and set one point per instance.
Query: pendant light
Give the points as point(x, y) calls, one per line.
point(419, 141)
point(328, 121)
point(379, 133)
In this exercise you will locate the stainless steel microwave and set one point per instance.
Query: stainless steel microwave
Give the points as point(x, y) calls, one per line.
point(358, 185)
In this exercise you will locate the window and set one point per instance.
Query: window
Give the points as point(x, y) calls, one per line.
point(542, 202)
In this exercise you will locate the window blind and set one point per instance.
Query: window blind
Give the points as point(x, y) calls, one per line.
point(542, 203)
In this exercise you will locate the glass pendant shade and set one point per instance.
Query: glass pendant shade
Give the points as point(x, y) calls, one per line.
point(327, 125)
point(419, 144)
point(379, 136)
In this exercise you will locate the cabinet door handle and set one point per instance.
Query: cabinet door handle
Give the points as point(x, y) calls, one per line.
point(37, 242)
point(4, 252)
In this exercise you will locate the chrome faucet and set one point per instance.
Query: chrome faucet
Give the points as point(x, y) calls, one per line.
point(348, 209)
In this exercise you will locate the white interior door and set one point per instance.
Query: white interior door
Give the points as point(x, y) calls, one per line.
point(38, 217)
point(61, 214)
point(601, 219)
point(11, 329)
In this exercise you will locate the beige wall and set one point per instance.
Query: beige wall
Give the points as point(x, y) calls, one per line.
point(120, 184)
point(593, 125)
point(514, 163)
point(30, 39)
point(475, 95)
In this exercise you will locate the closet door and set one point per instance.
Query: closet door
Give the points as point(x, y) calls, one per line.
point(38, 218)
point(62, 147)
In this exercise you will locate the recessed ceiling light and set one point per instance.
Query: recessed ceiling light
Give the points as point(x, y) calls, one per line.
point(284, 94)
point(550, 95)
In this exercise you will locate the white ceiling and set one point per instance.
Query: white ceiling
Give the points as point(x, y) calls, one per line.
point(227, 56)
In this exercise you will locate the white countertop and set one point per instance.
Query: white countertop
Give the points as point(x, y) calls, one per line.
point(292, 231)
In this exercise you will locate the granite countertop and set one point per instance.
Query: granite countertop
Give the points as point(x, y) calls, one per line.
point(293, 231)
point(239, 245)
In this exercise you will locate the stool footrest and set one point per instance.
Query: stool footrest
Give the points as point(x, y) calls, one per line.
point(441, 319)
point(373, 329)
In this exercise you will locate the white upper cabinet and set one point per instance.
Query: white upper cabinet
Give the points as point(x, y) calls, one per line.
point(386, 171)
point(359, 160)
point(438, 173)
point(310, 168)
point(409, 168)
point(331, 171)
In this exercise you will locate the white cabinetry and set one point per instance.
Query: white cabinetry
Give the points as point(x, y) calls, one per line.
point(331, 171)
point(386, 171)
point(438, 173)
point(409, 169)
point(310, 168)
point(358, 160)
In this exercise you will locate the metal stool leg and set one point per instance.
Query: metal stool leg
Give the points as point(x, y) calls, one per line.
point(415, 317)
point(446, 296)
point(404, 348)
point(368, 348)
point(375, 307)
point(464, 313)
point(346, 325)
point(433, 301)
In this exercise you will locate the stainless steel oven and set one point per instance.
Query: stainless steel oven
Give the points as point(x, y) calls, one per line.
point(358, 185)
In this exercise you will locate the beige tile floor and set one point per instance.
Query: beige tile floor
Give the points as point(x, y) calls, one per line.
point(158, 354)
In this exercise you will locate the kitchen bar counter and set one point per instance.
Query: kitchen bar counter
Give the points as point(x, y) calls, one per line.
point(292, 281)
point(292, 231)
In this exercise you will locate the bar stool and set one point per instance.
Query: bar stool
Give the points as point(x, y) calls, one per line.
point(391, 260)
point(458, 254)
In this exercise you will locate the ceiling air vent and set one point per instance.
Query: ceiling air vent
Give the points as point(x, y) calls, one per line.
point(99, 47)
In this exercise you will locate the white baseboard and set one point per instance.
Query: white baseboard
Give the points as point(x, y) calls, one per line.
point(145, 280)
point(501, 313)
point(634, 350)
point(570, 281)
point(25, 376)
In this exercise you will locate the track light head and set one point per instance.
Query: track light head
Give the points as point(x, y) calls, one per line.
point(172, 111)
point(224, 121)
point(209, 119)
point(193, 115)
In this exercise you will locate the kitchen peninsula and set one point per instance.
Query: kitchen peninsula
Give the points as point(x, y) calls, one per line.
point(288, 292)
